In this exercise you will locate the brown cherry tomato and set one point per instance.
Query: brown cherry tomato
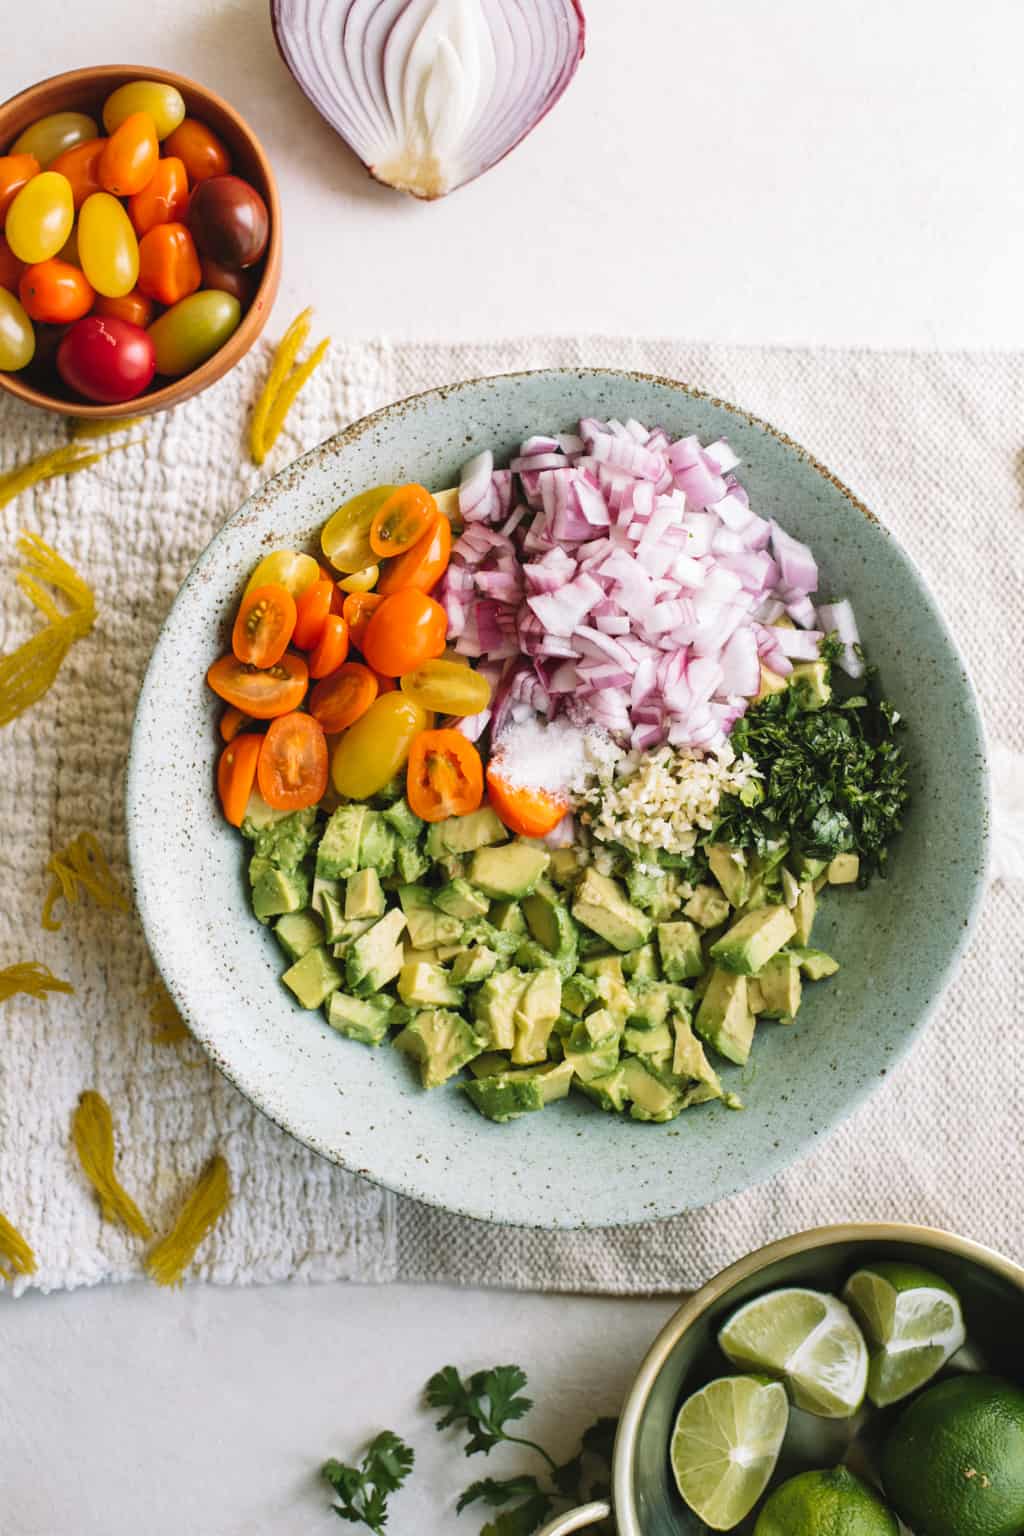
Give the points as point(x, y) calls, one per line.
point(199, 149)
point(236, 774)
point(340, 699)
point(81, 165)
point(260, 692)
point(231, 722)
point(130, 156)
point(293, 763)
point(168, 264)
point(164, 198)
point(15, 172)
point(331, 648)
point(232, 280)
point(423, 565)
point(445, 776)
point(134, 307)
point(358, 609)
point(229, 220)
point(312, 607)
point(10, 267)
point(264, 626)
point(409, 513)
point(529, 812)
point(55, 292)
point(407, 629)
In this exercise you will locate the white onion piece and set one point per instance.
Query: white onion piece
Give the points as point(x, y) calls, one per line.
point(840, 617)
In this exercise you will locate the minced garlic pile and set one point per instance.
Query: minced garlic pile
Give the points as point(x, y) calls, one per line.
point(662, 799)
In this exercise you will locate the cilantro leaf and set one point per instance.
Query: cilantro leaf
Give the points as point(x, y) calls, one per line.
point(484, 1403)
point(363, 1490)
point(498, 1491)
point(527, 1516)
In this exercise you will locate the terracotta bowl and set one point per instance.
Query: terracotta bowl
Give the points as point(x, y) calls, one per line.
point(85, 90)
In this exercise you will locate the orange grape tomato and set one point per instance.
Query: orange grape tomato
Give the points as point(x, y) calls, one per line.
point(262, 692)
point(337, 600)
point(331, 648)
point(15, 171)
point(81, 166)
point(164, 198)
point(376, 747)
point(168, 264)
point(529, 812)
point(264, 626)
point(236, 774)
point(423, 565)
point(231, 722)
point(358, 609)
point(130, 156)
point(293, 763)
point(55, 292)
point(445, 776)
point(407, 629)
point(134, 307)
point(312, 609)
point(448, 687)
point(200, 151)
point(407, 514)
point(10, 267)
point(339, 700)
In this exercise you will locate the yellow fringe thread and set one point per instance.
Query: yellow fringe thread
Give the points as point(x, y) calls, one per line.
point(84, 429)
point(27, 673)
point(16, 1256)
point(68, 459)
point(171, 1028)
point(32, 978)
point(168, 1261)
point(81, 863)
point(92, 1130)
point(283, 385)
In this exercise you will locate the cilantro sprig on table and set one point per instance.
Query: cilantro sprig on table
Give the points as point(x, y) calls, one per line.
point(363, 1490)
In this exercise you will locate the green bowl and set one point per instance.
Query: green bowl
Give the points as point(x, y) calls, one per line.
point(570, 1166)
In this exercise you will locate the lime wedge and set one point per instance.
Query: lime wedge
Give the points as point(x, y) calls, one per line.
point(809, 1340)
point(725, 1445)
point(912, 1322)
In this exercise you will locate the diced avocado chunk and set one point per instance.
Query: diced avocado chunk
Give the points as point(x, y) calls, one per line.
point(479, 931)
point(410, 862)
point(651, 1098)
point(642, 964)
point(779, 980)
point(461, 834)
point(755, 997)
point(428, 926)
point(376, 957)
point(488, 1063)
point(365, 1019)
point(597, 1061)
point(441, 1041)
point(844, 869)
point(608, 1090)
point(460, 899)
point(507, 917)
point(790, 887)
point(771, 682)
point(423, 985)
point(804, 911)
point(688, 1058)
point(494, 1007)
point(473, 965)
point(707, 906)
point(283, 837)
point(750, 943)
point(649, 1042)
point(601, 905)
point(539, 1005)
point(653, 890)
point(679, 947)
point(578, 992)
point(403, 820)
point(299, 932)
point(565, 865)
point(502, 1096)
point(377, 844)
point(510, 871)
point(328, 903)
point(337, 857)
point(815, 964)
point(351, 928)
point(313, 978)
point(809, 682)
point(807, 868)
point(364, 895)
point(551, 926)
point(729, 867)
point(277, 891)
point(724, 1019)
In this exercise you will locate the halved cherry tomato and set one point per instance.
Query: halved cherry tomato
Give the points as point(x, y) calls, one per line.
point(168, 264)
point(129, 156)
point(293, 763)
point(345, 538)
point(407, 629)
point(11, 267)
point(340, 699)
point(264, 626)
point(133, 307)
point(16, 171)
point(236, 774)
point(331, 649)
point(402, 520)
point(529, 812)
point(360, 581)
point(423, 565)
point(448, 687)
point(358, 609)
point(312, 609)
point(338, 600)
point(372, 751)
point(80, 164)
point(287, 569)
point(164, 198)
point(231, 722)
point(445, 776)
point(262, 692)
point(54, 292)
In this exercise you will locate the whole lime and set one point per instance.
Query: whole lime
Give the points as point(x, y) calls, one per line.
point(825, 1504)
point(954, 1464)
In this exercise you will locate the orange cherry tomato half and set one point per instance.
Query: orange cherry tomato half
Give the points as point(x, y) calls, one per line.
point(407, 629)
point(168, 264)
point(164, 198)
point(55, 292)
point(15, 172)
point(358, 609)
point(133, 307)
point(129, 156)
point(445, 776)
point(236, 774)
point(312, 607)
point(340, 699)
point(264, 626)
point(231, 722)
point(331, 648)
point(529, 812)
point(260, 692)
point(408, 513)
point(81, 165)
point(200, 151)
point(293, 763)
point(11, 267)
point(423, 565)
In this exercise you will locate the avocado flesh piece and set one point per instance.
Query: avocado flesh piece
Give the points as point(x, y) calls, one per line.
point(729, 867)
point(642, 964)
point(283, 837)
point(565, 865)
point(779, 981)
point(844, 869)
point(815, 964)
point(351, 928)
point(495, 1005)
point(472, 966)
point(708, 907)
point(410, 862)
point(298, 933)
point(600, 904)
point(680, 950)
point(404, 821)
point(377, 844)
point(656, 894)
point(365, 1019)
point(688, 1058)
point(463, 834)
point(659, 1041)
point(313, 978)
point(337, 856)
point(809, 683)
point(724, 1020)
point(328, 902)
point(650, 1098)
point(507, 917)
point(505, 1096)
point(750, 943)
point(804, 911)
point(276, 892)
point(441, 1041)
point(423, 985)
point(607, 1090)
point(512, 870)
point(376, 957)
point(539, 1005)
point(364, 895)
point(553, 929)
point(459, 899)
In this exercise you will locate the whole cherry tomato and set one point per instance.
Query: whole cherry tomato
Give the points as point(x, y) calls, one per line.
point(229, 220)
point(236, 775)
point(190, 332)
point(107, 246)
point(231, 280)
point(168, 264)
point(15, 171)
point(81, 166)
point(10, 267)
point(448, 687)
point(263, 693)
point(293, 763)
point(106, 359)
point(445, 776)
point(50, 136)
point(55, 292)
point(423, 565)
point(202, 152)
point(17, 338)
point(132, 306)
point(407, 629)
point(312, 609)
point(164, 104)
point(331, 648)
point(40, 217)
point(130, 156)
point(164, 198)
point(373, 750)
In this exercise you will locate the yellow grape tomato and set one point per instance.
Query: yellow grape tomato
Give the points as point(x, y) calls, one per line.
point(50, 136)
point(41, 217)
point(107, 245)
point(361, 581)
point(447, 687)
point(164, 103)
point(17, 336)
point(369, 754)
point(285, 568)
point(193, 329)
point(346, 536)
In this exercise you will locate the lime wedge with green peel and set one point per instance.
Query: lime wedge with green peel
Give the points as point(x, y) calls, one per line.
point(809, 1341)
point(912, 1322)
point(725, 1445)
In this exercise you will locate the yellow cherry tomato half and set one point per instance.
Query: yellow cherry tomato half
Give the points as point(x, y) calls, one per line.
point(361, 581)
point(107, 246)
point(285, 568)
point(345, 539)
point(447, 687)
point(164, 104)
point(404, 518)
point(39, 219)
point(51, 136)
point(377, 746)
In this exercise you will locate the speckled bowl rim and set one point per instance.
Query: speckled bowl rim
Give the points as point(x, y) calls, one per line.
point(258, 1094)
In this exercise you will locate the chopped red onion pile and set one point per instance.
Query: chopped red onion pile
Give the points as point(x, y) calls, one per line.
point(623, 579)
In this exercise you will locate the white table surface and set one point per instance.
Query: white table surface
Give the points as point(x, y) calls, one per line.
point(763, 171)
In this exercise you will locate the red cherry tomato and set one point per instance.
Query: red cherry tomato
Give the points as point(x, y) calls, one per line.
point(168, 264)
point(200, 151)
point(55, 292)
point(133, 306)
point(331, 649)
point(407, 629)
point(106, 359)
point(81, 165)
point(164, 198)
point(229, 220)
point(130, 156)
